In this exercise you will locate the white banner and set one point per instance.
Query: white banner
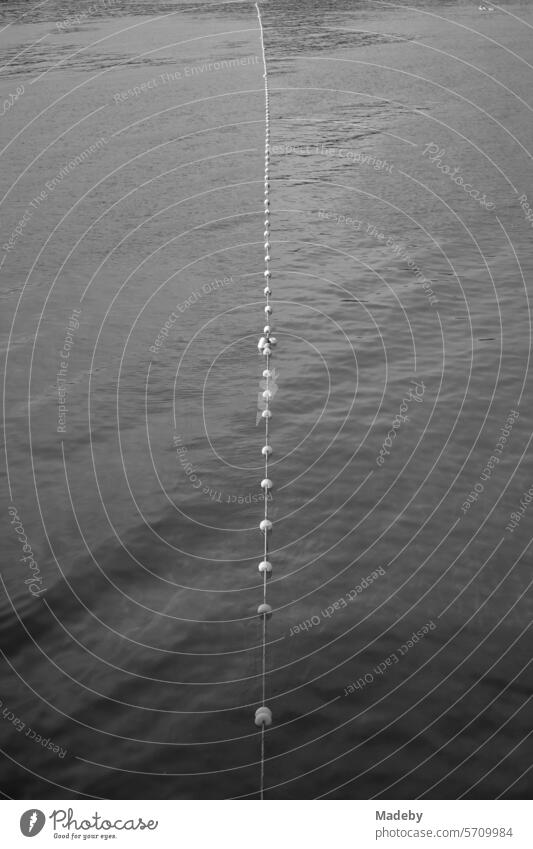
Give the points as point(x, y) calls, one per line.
point(278, 825)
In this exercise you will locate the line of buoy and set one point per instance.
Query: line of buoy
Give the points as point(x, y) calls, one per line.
point(263, 714)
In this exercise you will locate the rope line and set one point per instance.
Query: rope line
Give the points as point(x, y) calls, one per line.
point(263, 714)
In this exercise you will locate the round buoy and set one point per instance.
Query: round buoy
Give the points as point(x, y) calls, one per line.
point(266, 483)
point(266, 450)
point(265, 566)
point(267, 373)
point(267, 329)
point(263, 716)
point(272, 340)
point(267, 246)
point(268, 273)
point(264, 610)
point(267, 291)
point(268, 309)
point(265, 526)
point(267, 394)
point(266, 414)
point(267, 350)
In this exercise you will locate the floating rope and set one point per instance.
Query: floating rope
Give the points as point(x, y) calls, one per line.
point(263, 714)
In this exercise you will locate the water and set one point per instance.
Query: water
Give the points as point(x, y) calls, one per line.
point(138, 654)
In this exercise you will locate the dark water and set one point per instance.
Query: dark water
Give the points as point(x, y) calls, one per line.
point(138, 653)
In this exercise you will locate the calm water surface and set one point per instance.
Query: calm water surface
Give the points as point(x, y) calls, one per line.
point(132, 189)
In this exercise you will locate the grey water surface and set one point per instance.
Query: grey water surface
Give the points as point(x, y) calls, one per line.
point(131, 291)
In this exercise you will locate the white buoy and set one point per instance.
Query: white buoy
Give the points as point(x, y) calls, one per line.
point(272, 340)
point(263, 716)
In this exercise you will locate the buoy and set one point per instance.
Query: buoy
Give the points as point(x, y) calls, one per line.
point(272, 340)
point(263, 716)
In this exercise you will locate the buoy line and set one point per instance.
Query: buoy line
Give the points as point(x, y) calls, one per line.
point(263, 714)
